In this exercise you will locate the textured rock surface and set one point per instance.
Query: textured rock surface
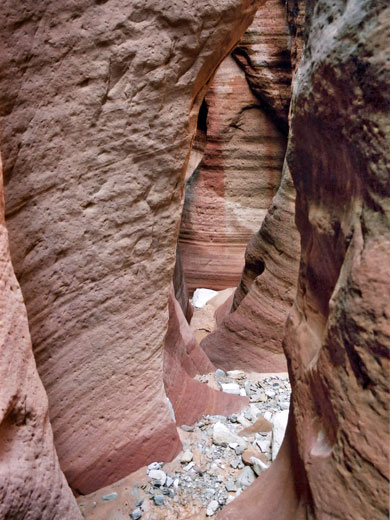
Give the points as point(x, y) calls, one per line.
point(183, 359)
point(263, 53)
point(31, 482)
point(251, 336)
point(98, 106)
point(229, 192)
point(338, 337)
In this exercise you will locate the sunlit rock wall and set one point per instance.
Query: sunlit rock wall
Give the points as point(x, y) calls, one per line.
point(244, 143)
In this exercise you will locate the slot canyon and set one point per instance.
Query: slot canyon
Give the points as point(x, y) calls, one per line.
point(194, 260)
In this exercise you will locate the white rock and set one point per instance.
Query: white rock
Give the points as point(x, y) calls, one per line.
point(236, 374)
point(279, 421)
point(230, 388)
point(268, 415)
point(212, 508)
point(252, 412)
point(223, 436)
point(202, 296)
point(154, 465)
point(189, 466)
point(246, 477)
point(263, 444)
point(258, 465)
point(158, 475)
point(244, 422)
point(186, 457)
point(242, 392)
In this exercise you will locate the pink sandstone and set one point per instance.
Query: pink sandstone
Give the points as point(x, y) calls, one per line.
point(334, 462)
point(230, 189)
point(98, 108)
point(31, 482)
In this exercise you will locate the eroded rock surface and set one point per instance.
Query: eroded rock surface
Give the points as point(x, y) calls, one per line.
point(231, 188)
point(184, 359)
point(31, 482)
point(98, 108)
point(264, 54)
point(250, 336)
point(337, 340)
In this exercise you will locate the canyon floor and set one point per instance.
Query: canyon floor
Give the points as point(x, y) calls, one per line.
point(221, 456)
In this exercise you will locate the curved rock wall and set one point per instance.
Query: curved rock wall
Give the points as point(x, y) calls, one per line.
point(98, 107)
point(338, 337)
point(250, 336)
point(183, 359)
point(230, 190)
point(31, 482)
point(264, 54)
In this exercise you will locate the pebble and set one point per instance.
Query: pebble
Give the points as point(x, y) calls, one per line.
point(110, 496)
point(212, 508)
point(236, 374)
point(258, 465)
point(230, 388)
point(158, 475)
point(246, 477)
point(136, 514)
point(186, 457)
point(220, 373)
point(223, 436)
point(230, 485)
point(158, 500)
point(154, 465)
point(187, 428)
point(264, 444)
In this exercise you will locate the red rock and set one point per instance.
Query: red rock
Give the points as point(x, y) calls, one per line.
point(250, 337)
point(98, 108)
point(183, 359)
point(334, 462)
point(261, 425)
point(229, 192)
point(31, 482)
point(253, 451)
point(263, 53)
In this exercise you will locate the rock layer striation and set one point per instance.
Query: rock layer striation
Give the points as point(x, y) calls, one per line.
point(98, 109)
point(230, 189)
point(31, 482)
point(335, 460)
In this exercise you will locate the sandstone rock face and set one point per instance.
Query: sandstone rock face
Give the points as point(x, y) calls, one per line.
point(31, 482)
point(230, 190)
point(98, 108)
point(338, 336)
point(183, 359)
point(264, 54)
point(250, 337)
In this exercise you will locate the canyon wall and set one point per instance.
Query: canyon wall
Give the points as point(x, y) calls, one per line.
point(230, 189)
point(31, 482)
point(98, 109)
point(250, 337)
point(335, 459)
